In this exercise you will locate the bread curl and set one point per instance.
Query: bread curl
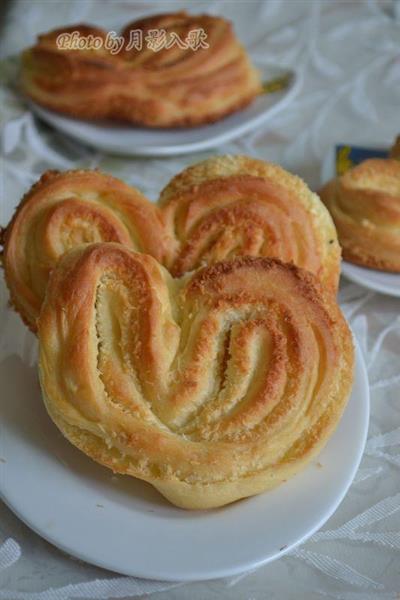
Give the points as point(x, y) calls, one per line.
point(166, 87)
point(365, 206)
point(212, 387)
point(223, 207)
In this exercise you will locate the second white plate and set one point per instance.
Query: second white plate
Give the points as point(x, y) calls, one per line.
point(124, 525)
point(130, 140)
point(379, 281)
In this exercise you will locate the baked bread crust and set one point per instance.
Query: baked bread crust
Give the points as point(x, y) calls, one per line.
point(218, 209)
point(212, 387)
point(62, 211)
point(395, 149)
point(168, 88)
point(237, 205)
point(365, 206)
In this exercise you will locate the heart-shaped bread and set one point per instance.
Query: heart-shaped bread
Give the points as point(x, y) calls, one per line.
point(151, 84)
point(220, 208)
point(365, 206)
point(212, 387)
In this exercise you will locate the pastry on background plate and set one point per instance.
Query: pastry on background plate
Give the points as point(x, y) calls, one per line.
point(166, 70)
point(395, 150)
point(365, 206)
point(220, 208)
point(212, 387)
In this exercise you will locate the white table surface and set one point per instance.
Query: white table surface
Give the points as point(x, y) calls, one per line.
point(349, 56)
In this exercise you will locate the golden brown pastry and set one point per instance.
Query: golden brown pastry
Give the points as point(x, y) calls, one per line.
point(236, 205)
point(365, 206)
point(172, 86)
point(62, 211)
point(395, 150)
point(212, 387)
point(220, 208)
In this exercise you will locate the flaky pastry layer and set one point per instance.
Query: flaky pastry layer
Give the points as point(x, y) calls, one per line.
point(365, 206)
point(218, 209)
point(211, 387)
point(170, 86)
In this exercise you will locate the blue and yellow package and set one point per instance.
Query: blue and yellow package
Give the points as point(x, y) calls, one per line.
point(347, 156)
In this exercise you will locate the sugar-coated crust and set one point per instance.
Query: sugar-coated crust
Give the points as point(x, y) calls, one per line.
point(220, 208)
point(212, 387)
point(365, 206)
point(61, 211)
point(166, 88)
point(276, 212)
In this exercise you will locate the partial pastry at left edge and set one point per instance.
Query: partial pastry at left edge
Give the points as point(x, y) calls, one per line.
point(62, 211)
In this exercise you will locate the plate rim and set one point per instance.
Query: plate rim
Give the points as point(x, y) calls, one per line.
point(386, 289)
point(243, 567)
point(49, 117)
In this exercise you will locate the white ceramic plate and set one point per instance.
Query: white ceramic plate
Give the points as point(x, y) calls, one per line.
point(142, 141)
point(379, 281)
point(124, 525)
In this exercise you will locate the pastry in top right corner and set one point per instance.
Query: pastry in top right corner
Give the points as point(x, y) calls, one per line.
point(365, 206)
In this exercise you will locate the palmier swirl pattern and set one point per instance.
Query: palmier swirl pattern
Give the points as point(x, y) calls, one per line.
point(237, 205)
point(365, 206)
point(212, 387)
point(158, 87)
point(218, 209)
point(62, 211)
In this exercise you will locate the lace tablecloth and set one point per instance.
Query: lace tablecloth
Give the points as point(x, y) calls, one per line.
point(348, 54)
